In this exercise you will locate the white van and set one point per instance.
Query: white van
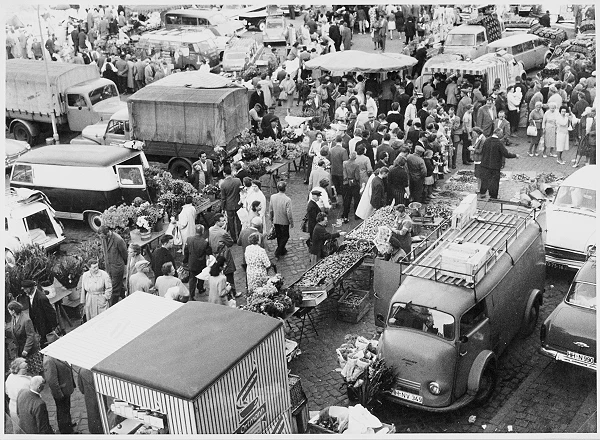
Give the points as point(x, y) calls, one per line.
point(29, 219)
point(528, 49)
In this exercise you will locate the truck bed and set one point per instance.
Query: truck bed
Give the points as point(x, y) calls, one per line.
point(495, 229)
point(26, 91)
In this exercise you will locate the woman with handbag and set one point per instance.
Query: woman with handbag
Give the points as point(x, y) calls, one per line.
point(534, 129)
point(565, 121)
point(258, 263)
point(25, 338)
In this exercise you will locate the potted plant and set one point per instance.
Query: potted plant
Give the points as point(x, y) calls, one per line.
point(120, 219)
point(173, 192)
point(147, 216)
point(67, 270)
point(31, 263)
point(256, 168)
point(150, 174)
point(211, 191)
point(90, 249)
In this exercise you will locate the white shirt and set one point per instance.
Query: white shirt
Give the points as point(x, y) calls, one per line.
point(352, 143)
point(204, 68)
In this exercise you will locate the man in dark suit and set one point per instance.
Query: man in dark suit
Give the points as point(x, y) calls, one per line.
point(230, 196)
point(486, 116)
point(163, 254)
point(312, 210)
point(59, 377)
point(194, 254)
point(335, 35)
point(257, 97)
point(492, 156)
point(41, 312)
point(502, 123)
point(378, 199)
point(32, 410)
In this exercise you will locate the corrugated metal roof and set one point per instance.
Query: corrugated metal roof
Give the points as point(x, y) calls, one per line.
point(103, 335)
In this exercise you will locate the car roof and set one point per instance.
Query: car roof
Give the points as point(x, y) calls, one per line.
point(585, 177)
point(183, 35)
point(429, 293)
point(512, 40)
point(196, 12)
point(463, 28)
point(13, 146)
point(89, 156)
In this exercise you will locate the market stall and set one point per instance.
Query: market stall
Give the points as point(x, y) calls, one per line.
point(161, 366)
point(358, 61)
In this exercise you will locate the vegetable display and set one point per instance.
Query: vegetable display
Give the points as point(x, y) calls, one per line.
point(330, 268)
point(368, 229)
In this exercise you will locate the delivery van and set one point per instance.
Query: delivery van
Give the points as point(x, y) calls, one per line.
point(449, 312)
point(528, 49)
point(81, 181)
point(186, 49)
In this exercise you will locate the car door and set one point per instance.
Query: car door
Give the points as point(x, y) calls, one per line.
point(79, 112)
point(480, 46)
point(386, 280)
point(473, 338)
point(529, 55)
point(132, 182)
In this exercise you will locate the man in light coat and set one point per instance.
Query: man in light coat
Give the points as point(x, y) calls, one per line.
point(280, 214)
point(186, 222)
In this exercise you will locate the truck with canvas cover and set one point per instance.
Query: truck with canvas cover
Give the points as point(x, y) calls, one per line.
point(448, 312)
point(177, 117)
point(78, 97)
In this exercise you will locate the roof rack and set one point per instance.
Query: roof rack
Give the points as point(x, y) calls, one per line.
point(498, 230)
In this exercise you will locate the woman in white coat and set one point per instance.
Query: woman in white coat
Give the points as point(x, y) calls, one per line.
point(364, 208)
point(186, 222)
point(563, 119)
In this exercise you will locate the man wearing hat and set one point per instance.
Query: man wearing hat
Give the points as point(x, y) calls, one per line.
point(313, 208)
point(417, 171)
point(115, 252)
point(139, 281)
point(41, 312)
point(59, 378)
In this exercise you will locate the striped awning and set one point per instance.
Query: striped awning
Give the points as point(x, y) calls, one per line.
point(111, 330)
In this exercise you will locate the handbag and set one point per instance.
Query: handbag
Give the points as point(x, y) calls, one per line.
point(272, 233)
point(532, 129)
point(304, 224)
point(183, 274)
point(335, 94)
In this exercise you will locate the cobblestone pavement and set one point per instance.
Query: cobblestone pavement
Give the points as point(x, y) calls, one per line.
point(534, 394)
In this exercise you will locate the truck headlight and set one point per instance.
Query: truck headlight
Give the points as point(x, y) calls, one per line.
point(434, 388)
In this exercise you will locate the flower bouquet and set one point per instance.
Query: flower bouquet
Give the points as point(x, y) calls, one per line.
point(246, 137)
point(292, 151)
point(250, 151)
point(291, 134)
point(270, 299)
point(271, 148)
point(147, 217)
point(256, 168)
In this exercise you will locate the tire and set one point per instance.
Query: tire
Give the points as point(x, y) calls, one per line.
point(531, 319)
point(487, 384)
point(94, 220)
point(178, 168)
point(261, 25)
point(22, 133)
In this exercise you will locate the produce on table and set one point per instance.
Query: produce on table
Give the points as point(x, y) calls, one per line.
point(464, 179)
point(465, 173)
point(439, 209)
point(549, 177)
point(330, 268)
point(460, 186)
point(367, 230)
point(519, 177)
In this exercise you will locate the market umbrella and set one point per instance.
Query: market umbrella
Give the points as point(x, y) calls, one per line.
point(358, 61)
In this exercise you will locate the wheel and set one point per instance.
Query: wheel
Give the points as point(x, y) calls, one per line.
point(487, 383)
point(22, 133)
point(531, 320)
point(94, 220)
point(261, 25)
point(178, 168)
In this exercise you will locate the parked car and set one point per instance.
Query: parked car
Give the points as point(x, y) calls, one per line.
point(530, 50)
point(569, 221)
point(195, 18)
point(81, 181)
point(569, 333)
point(29, 219)
point(274, 30)
point(12, 150)
point(240, 53)
point(255, 16)
point(222, 41)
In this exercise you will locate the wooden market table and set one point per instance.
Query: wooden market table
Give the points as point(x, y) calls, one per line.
point(56, 301)
point(146, 244)
point(273, 172)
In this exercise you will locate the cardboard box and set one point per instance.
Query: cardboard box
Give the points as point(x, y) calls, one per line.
point(461, 216)
point(463, 260)
point(313, 298)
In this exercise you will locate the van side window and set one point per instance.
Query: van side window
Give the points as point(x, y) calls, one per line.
point(527, 45)
point(173, 19)
point(480, 38)
point(75, 100)
point(39, 226)
point(517, 49)
point(22, 173)
point(203, 22)
point(189, 21)
point(472, 318)
point(130, 176)
point(117, 127)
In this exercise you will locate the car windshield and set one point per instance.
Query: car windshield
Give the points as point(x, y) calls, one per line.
point(460, 40)
point(583, 295)
point(102, 93)
point(422, 318)
point(575, 197)
point(274, 24)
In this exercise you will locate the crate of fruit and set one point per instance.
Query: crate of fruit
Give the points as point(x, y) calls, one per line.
point(353, 305)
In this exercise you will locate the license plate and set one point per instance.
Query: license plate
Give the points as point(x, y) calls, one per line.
point(580, 357)
point(407, 396)
point(556, 265)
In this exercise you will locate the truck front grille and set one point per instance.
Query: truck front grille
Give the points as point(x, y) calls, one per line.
point(408, 385)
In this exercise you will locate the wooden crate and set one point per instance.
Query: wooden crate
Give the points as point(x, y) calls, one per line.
point(351, 312)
